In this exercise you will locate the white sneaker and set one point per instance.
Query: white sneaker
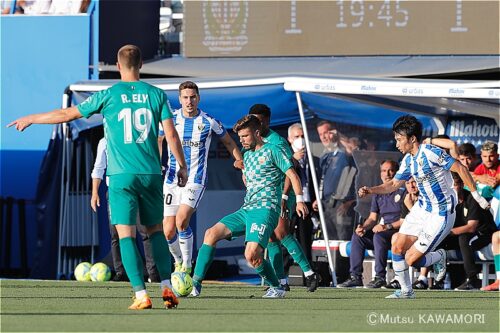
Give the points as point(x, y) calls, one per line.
point(440, 266)
point(398, 294)
point(275, 293)
point(196, 289)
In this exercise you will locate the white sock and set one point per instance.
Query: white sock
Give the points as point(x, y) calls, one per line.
point(186, 245)
point(308, 273)
point(165, 283)
point(432, 257)
point(175, 249)
point(402, 274)
point(498, 275)
point(422, 278)
point(140, 294)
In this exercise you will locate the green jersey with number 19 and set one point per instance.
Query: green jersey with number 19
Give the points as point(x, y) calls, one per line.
point(131, 112)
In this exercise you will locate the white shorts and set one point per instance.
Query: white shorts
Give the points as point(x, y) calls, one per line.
point(174, 196)
point(430, 228)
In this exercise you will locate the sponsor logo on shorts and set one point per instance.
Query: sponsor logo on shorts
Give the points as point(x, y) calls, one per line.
point(259, 229)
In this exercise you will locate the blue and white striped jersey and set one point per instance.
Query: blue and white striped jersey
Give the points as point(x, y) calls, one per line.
point(430, 169)
point(195, 135)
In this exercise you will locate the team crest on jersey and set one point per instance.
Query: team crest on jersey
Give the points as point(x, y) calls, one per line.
point(397, 197)
point(262, 159)
point(201, 127)
point(420, 162)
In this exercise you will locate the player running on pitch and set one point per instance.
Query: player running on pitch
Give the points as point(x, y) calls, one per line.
point(282, 235)
point(132, 110)
point(432, 217)
point(264, 166)
point(195, 127)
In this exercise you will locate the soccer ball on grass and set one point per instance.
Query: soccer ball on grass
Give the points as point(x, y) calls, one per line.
point(100, 272)
point(182, 283)
point(82, 271)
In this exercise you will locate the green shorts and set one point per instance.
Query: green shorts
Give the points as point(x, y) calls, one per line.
point(256, 224)
point(129, 192)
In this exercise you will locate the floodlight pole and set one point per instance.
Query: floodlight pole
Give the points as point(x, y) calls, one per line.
point(316, 190)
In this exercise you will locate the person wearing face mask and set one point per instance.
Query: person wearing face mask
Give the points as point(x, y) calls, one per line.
point(302, 226)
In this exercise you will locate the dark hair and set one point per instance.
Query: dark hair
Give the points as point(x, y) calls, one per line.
point(394, 164)
point(408, 126)
point(262, 109)
point(188, 85)
point(324, 122)
point(130, 57)
point(467, 149)
point(248, 121)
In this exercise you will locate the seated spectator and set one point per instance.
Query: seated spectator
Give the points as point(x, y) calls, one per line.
point(495, 240)
point(33, 7)
point(487, 174)
point(467, 156)
point(376, 235)
point(68, 6)
point(5, 6)
point(472, 231)
point(410, 199)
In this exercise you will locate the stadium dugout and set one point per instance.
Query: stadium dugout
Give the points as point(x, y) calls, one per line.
point(364, 102)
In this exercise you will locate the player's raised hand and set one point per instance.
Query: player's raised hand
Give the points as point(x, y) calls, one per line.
point(21, 124)
point(301, 209)
point(364, 191)
point(182, 176)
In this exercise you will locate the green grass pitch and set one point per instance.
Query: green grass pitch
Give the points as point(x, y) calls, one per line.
point(70, 306)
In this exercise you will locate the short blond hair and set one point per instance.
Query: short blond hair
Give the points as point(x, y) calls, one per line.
point(489, 146)
point(130, 57)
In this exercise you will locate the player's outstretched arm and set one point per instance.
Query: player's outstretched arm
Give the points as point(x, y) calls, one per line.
point(384, 188)
point(174, 144)
point(57, 116)
point(301, 207)
point(466, 177)
point(231, 147)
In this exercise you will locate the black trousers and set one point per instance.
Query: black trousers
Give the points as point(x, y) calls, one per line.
point(467, 244)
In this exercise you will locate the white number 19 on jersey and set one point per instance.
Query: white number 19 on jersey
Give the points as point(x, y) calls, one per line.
point(140, 119)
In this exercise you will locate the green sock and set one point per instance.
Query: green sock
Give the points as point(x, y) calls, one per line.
point(132, 262)
point(161, 255)
point(276, 258)
point(298, 255)
point(496, 260)
point(203, 261)
point(266, 271)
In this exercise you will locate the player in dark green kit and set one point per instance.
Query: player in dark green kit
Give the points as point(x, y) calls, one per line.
point(281, 233)
point(131, 110)
point(264, 166)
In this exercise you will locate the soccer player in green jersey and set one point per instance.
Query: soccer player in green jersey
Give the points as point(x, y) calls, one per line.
point(264, 166)
point(131, 110)
point(281, 235)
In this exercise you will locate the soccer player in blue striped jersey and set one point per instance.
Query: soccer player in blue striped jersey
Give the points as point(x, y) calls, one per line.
point(195, 129)
point(432, 217)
